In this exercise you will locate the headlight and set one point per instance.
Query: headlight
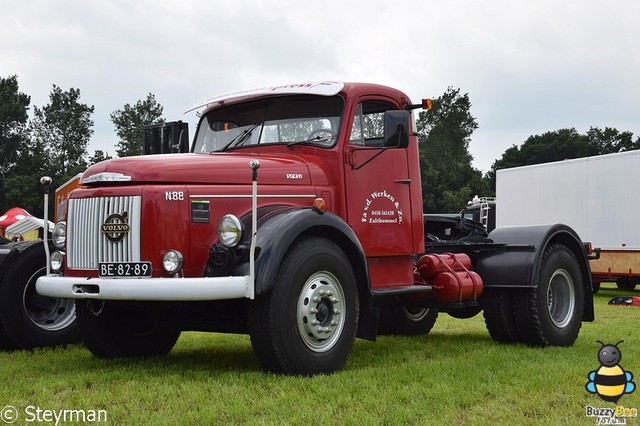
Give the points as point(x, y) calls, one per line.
point(59, 235)
point(56, 262)
point(172, 261)
point(230, 231)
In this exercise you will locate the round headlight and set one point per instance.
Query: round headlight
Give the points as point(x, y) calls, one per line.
point(230, 231)
point(59, 235)
point(56, 262)
point(172, 261)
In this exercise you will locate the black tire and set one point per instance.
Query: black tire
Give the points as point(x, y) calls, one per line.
point(28, 319)
point(6, 343)
point(497, 304)
point(125, 329)
point(625, 283)
point(596, 287)
point(401, 320)
point(307, 324)
point(551, 314)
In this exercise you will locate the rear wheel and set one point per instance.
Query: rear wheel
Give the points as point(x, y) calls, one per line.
point(497, 304)
point(307, 323)
point(125, 329)
point(551, 314)
point(398, 319)
point(28, 319)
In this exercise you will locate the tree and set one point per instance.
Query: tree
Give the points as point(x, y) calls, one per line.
point(130, 121)
point(448, 179)
point(99, 156)
point(65, 126)
point(609, 140)
point(13, 133)
point(14, 108)
point(22, 184)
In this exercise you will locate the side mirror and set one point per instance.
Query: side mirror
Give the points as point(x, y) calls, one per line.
point(396, 129)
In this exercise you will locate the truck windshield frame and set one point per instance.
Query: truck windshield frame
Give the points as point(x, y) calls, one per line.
point(307, 119)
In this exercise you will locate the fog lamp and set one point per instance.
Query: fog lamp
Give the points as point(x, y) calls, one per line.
point(57, 261)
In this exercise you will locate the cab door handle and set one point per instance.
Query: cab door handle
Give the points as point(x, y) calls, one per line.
point(402, 181)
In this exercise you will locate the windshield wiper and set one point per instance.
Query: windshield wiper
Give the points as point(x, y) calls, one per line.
point(241, 138)
point(318, 138)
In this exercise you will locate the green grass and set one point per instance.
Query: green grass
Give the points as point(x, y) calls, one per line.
point(454, 375)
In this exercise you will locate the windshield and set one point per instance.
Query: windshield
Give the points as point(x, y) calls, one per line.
point(287, 120)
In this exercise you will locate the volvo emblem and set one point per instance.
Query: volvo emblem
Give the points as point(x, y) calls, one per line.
point(115, 227)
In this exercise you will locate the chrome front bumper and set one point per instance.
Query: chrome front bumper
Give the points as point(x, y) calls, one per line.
point(146, 289)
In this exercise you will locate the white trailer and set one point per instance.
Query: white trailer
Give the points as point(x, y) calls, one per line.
point(599, 197)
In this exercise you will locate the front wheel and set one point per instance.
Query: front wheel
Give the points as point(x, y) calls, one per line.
point(307, 323)
point(551, 314)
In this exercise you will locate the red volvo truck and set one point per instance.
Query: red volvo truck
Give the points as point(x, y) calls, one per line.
point(297, 218)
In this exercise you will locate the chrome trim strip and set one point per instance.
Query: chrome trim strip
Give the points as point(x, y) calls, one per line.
point(249, 196)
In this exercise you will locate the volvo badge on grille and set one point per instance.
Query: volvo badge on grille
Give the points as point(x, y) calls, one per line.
point(115, 227)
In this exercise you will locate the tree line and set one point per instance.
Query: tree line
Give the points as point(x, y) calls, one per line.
point(54, 142)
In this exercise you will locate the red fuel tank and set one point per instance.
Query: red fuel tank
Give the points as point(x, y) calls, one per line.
point(430, 265)
point(450, 277)
point(458, 286)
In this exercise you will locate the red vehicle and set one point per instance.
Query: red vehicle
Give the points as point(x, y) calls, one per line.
point(297, 218)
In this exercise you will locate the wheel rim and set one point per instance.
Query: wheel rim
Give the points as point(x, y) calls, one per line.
point(47, 313)
point(320, 313)
point(415, 314)
point(561, 298)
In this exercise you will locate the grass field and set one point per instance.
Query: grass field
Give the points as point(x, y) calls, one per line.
point(455, 375)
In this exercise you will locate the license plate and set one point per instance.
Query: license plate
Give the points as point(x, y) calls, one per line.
point(124, 269)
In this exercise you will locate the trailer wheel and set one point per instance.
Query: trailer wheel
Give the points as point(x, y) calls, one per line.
point(402, 320)
point(307, 324)
point(124, 329)
point(551, 314)
point(28, 319)
point(497, 304)
point(625, 283)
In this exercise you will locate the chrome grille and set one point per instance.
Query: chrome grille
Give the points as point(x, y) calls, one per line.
point(87, 245)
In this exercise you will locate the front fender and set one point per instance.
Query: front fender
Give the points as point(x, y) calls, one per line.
point(518, 265)
point(279, 229)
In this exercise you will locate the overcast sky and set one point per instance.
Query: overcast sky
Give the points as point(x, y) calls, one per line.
point(529, 67)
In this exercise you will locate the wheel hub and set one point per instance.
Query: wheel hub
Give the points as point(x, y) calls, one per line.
point(319, 311)
point(561, 298)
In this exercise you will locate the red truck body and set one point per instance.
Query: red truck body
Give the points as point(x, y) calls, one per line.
point(323, 186)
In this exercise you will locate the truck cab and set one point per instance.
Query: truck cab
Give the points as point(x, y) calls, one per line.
point(296, 218)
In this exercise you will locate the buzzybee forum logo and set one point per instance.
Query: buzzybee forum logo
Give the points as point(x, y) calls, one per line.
point(610, 382)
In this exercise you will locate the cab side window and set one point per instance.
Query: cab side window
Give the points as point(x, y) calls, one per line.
point(368, 123)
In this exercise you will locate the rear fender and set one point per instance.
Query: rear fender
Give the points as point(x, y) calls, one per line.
point(521, 267)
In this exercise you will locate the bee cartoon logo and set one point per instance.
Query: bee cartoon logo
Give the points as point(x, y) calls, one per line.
point(610, 381)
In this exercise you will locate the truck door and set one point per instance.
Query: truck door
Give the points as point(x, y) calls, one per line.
point(377, 185)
